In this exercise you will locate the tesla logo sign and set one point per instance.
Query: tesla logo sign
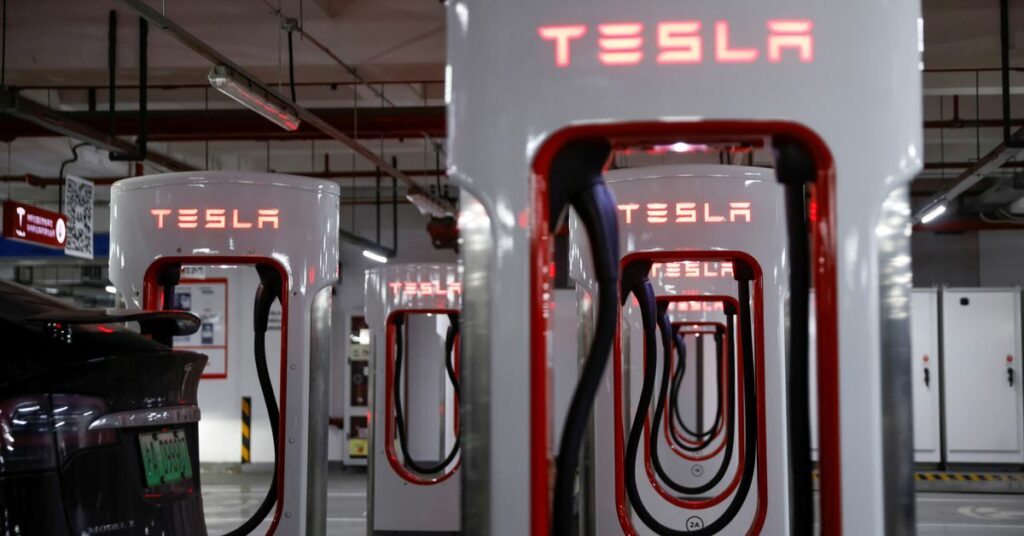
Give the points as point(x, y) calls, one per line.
point(215, 218)
point(692, 269)
point(695, 306)
point(424, 288)
point(685, 212)
point(683, 42)
point(35, 225)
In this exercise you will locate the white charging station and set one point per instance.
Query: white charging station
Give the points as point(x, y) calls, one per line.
point(839, 79)
point(228, 218)
point(695, 221)
point(413, 302)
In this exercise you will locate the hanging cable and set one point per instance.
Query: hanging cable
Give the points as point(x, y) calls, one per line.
point(644, 292)
point(650, 366)
point(577, 179)
point(267, 293)
point(673, 400)
point(794, 169)
point(449, 345)
point(291, 64)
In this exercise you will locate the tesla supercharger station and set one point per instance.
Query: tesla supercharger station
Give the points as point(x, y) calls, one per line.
point(696, 223)
point(537, 90)
point(409, 309)
point(159, 223)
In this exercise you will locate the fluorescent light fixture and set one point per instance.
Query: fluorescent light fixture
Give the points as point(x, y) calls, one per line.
point(427, 206)
point(252, 97)
point(374, 256)
point(933, 213)
point(111, 289)
point(364, 336)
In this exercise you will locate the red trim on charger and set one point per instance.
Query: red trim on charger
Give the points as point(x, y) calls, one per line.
point(825, 282)
point(153, 300)
point(389, 405)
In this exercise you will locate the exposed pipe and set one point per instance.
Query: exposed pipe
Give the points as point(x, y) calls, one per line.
point(140, 140)
point(107, 181)
point(1004, 50)
point(111, 69)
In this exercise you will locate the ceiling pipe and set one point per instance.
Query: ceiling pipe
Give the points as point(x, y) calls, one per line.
point(35, 180)
point(242, 125)
point(306, 115)
point(15, 105)
point(139, 153)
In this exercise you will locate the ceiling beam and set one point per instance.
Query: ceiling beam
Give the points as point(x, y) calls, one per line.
point(215, 57)
point(52, 122)
point(242, 125)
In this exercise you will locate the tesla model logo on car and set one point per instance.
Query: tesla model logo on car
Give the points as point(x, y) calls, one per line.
point(216, 218)
point(681, 42)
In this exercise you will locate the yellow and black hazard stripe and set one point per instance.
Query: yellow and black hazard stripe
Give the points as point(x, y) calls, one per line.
point(936, 476)
point(246, 428)
point(939, 476)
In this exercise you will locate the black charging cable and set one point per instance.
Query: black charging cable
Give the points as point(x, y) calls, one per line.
point(644, 291)
point(577, 179)
point(267, 293)
point(706, 437)
point(650, 368)
point(396, 387)
point(795, 169)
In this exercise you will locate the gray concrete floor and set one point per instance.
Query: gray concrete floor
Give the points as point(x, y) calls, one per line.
point(230, 498)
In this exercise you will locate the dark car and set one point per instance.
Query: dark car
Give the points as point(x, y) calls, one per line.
point(98, 423)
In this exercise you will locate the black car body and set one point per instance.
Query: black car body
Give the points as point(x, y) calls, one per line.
point(98, 424)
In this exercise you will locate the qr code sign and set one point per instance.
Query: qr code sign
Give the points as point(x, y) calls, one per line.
point(78, 206)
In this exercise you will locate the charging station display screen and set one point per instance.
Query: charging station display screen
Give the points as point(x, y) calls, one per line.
point(165, 457)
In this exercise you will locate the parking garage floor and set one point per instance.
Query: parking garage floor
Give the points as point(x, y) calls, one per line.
point(230, 497)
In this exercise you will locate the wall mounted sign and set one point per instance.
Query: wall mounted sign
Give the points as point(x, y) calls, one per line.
point(207, 299)
point(34, 225)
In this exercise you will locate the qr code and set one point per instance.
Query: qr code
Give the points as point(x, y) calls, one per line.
point(78, 206)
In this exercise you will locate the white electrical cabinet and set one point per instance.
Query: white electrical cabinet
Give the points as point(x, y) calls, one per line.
point(924, 344)
point(924, 361)
point(981, 338)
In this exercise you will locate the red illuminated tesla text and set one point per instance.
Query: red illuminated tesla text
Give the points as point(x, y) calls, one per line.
point(681, 42)
point(684, 212)
point(425, 288)
point(216, 218)
point(692, 269)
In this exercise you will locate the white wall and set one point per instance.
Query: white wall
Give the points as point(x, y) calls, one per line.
point(1001, 258)
point(968, 259)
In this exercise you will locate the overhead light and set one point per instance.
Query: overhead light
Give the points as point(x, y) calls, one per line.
point(933, 213)
point(374, 256)
point(427, 206)
point(111, 289)
point(245, 93)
